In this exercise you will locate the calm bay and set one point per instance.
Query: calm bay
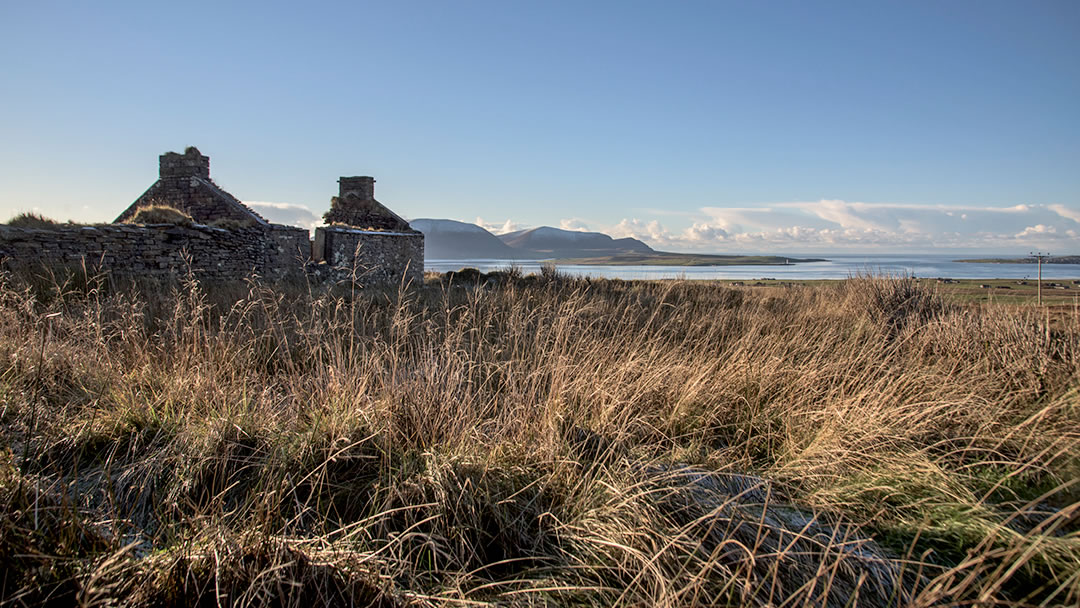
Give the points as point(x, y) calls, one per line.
point(835, 267)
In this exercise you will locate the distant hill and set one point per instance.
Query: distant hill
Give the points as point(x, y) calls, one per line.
point(452, 240)
point(546, 241)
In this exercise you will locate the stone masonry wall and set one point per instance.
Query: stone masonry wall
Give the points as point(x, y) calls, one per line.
point(379, 256)
point(158, 251)
point(191, 162)
point(288, 248)
point(197, 197)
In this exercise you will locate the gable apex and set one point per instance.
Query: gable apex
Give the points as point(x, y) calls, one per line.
point(184, 183)
point(355, 205)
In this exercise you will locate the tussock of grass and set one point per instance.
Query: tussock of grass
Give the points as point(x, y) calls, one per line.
point(33, 220)
point(160, 214)
point(228, 223)
point(534, 441)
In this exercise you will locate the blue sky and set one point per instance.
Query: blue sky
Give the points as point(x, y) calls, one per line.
point(697, 126)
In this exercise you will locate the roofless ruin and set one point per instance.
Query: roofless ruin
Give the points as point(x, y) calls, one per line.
point(226, 239)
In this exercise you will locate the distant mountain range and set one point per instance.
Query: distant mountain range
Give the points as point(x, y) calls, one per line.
point(452, 240)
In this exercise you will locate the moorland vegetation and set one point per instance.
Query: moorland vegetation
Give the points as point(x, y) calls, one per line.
point(534, 441)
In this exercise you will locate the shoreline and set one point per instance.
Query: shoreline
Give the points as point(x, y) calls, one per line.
point(688, 259)
point(1060, 259)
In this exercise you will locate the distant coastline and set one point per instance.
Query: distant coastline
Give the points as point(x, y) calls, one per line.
point(663, 258)
point(1061, 259)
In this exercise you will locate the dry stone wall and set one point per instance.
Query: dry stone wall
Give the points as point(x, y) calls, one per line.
point(165, 251)
point(287, 249)
point(376, 256)
point(159, 251)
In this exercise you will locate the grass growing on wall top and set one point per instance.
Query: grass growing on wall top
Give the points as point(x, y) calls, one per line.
point(33, 220)
point(160, 214)
point(536, 441)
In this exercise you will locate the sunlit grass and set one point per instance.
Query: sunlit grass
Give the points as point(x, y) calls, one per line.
point(535, 441)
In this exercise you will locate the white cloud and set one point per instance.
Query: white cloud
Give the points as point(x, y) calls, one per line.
point(811, 226)
point(286, 213)
point(1065, 212)
point(841, 225)
point(650, 232)
point(704, 232)
point(497, 228)
point(574, 224)
point(745, 219)
point(848, 215)
point(1037, 230)
point(700, 235)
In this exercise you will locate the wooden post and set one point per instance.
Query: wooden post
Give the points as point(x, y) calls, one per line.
point(1040, 256)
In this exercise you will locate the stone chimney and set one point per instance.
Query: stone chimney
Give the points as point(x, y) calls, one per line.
point(356, 206)
point(361, 186)
point(189, 164)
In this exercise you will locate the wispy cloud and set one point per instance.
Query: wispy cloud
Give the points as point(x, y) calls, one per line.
point(1065, 212)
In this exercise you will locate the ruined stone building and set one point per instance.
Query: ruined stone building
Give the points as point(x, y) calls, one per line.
point(227, 239)
point(184, 183)
point(361, 231)
point(355, 205)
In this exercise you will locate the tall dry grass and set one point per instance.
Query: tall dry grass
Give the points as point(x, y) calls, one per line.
point(534, 441)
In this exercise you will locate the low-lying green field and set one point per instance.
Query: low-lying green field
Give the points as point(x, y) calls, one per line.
point(540, 441)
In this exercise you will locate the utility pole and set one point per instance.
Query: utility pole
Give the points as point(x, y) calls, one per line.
point(1039, 255)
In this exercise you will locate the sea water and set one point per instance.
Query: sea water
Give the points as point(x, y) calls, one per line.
point(836, 267)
